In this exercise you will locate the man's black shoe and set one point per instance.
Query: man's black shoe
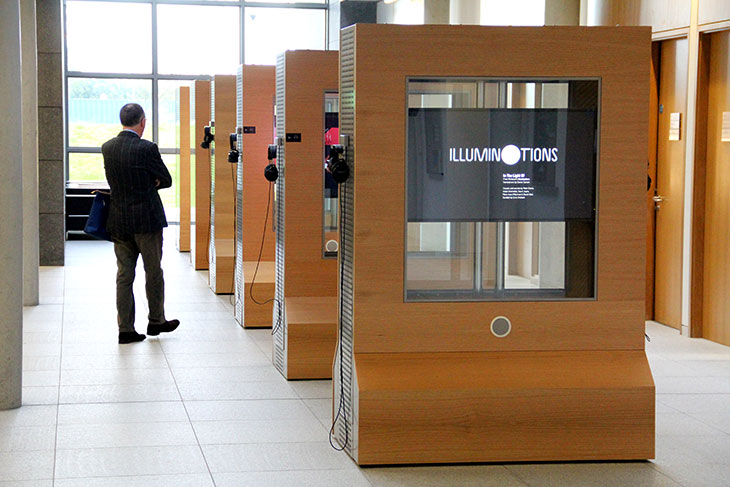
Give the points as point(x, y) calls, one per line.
point(130, 337)
point(166, 327)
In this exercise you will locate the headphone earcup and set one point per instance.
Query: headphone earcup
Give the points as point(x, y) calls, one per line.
point(271, 173)
point(340, 170)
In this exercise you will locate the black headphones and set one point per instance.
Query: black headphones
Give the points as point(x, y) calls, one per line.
point(233, 154)
point(208, 137)
point(337, 164)
point(271, 173)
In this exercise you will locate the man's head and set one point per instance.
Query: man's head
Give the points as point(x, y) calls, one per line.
point(132, 117)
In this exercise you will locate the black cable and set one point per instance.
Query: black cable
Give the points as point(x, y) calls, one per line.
point(235, 234)
point(341, 410)
point(261, 251)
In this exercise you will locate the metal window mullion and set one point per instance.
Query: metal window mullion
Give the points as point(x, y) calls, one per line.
point(242, 33)
point(155, 79)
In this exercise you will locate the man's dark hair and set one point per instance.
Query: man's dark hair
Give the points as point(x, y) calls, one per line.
point(131, 114)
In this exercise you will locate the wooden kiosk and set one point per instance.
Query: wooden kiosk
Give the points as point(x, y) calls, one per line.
point(255, 131)
point(436, 365)
point(305, 310)
point(183, 168)
point(223, 185)
point(200, 104)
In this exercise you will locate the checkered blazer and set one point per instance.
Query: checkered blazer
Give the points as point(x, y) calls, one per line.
point(132, 167)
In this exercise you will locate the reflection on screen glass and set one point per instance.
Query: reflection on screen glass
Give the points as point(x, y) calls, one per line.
point(501, 189)
point(331, 237)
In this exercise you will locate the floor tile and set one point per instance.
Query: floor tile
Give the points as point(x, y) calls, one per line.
point(116, 376)
point(274, 457)
point(322, 409)
point(696, 403)
point(257, 373)
point(26, 465)
point(194, 360)
point(223, 391)
point(691, 385)
point(122, 413)
point(27, 438)
point(41, 363)
point(126, 361)
point(185, 480)
point(673, 424)
point(259, 431)
point(101, 435)
point(300, 478)
point(115, 462)
point(35, 395)
point(313, 389)
point(593, 474)
point(27, 483)
point(247, 410)
point(423, 476)
point(698, 475)
point(29, 416)
point(118, 393)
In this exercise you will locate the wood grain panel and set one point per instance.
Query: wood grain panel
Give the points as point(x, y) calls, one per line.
point(259, 93)
point(714, 11)
point(661, 15)
point(620, 57)
point(224, 184)
point(258, 313)
point(202, 176)
point(670, 184)
point(309, 74)
point(501, 407)
point(183, 168)
point(311, 336)
point(716, 319)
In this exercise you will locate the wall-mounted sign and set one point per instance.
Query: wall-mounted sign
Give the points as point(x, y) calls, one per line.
point(675, 125)
point(293, 137)
point(250, 129)
point(501, 164)
point(725, 135)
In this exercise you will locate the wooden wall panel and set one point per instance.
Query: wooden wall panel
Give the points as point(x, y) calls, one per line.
point(224, 186)
point(716, 311)
point(202, 176)
point(714, 11)
point(661, 15)
point(183, 168)
point(615, 320)
point(259, 94)
point(309, 74)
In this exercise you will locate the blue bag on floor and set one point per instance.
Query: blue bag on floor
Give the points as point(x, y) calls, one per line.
point(96, 224)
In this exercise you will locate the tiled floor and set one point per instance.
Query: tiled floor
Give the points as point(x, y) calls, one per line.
point(203, 406)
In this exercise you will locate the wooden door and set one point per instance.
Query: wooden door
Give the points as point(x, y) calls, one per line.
point(670, 182)
point(651, 173)
point(716, 322)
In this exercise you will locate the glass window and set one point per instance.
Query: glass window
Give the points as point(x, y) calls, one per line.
point(167, 105)
point(184, 35)
point(94, 104)
point(86, 167)
point(501, 189)
point(294, 28)
point(109, 37)
point(514, 12)
point(169, 195)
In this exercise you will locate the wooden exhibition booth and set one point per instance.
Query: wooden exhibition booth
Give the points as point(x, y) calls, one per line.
point(517, 157)
point(255, 88)
point(200, 104)
point(305, 310)
point(222, 187)
point(183, 165)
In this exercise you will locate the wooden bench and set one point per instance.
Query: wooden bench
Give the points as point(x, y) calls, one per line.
point(311, 337)
point(503, 406)
point(257, 315)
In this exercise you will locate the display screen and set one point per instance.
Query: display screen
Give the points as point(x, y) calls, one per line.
point(493, 164)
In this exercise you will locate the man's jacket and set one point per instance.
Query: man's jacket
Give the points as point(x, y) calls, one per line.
point(132, 166)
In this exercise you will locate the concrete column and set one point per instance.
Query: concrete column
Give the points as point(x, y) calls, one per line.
point(30, 152)
point(11, 212)
point(466, 12)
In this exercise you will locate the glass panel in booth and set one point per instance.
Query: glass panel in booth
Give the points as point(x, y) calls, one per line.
point(330, 233)
point(501, 189)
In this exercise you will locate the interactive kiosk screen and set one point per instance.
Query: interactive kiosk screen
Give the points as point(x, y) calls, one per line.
point(501, 189)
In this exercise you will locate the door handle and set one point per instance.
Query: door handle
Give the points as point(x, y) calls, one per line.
point(658, 198)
